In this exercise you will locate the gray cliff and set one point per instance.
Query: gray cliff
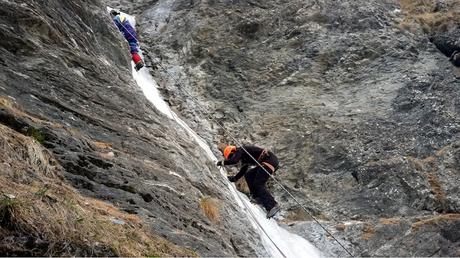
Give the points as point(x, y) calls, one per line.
point(357, 98)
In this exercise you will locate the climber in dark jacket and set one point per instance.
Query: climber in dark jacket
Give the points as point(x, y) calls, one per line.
point(256, 177)
point(130, 35)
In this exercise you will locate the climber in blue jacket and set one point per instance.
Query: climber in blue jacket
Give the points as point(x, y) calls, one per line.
point(130, 35)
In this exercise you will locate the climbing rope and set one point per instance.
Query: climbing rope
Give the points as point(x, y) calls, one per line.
point(256, 161)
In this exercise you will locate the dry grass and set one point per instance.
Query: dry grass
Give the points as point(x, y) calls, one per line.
point(436, 186)
point(100, 145)
point(390, 221)
point(6, 102)
point(36, 204)
point(104, 147)
point(368, 232)
point(415, 163)
point(429, 166)
point(424, 164)
point(431, 160)
point(442, 152)
point(424, 13)
point(210, 207)
point(434, 221)
point(68, 222)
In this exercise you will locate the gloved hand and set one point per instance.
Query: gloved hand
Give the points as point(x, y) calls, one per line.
point(219, 163)
point(231, 178)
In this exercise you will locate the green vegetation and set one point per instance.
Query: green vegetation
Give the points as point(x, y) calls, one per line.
point(36, 134)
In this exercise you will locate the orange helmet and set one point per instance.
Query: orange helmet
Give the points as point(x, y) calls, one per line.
point(229, 150)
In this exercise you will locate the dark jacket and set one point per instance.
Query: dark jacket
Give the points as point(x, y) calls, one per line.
point(246, 160)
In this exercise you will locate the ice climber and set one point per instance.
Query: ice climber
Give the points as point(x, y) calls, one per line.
point(130, 35)
point(256, 177)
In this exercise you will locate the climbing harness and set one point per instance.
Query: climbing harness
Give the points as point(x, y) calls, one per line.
point(262, 156)
point(269, 166)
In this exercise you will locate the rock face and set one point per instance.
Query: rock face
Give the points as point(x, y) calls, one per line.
point(355, 97)
point(65, 70)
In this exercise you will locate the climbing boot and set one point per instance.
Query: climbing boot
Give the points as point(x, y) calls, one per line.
point(139, 65)
point(273, 211)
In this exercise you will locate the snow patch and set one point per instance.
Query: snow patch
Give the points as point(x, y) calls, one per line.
point(175, 174)
point(164, 186)
point(149, 87)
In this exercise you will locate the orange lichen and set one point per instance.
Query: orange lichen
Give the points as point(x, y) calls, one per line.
point(435, 220)
point(368, 232)
point(389, 221)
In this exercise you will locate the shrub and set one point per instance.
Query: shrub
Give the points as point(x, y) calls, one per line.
point(210, 208)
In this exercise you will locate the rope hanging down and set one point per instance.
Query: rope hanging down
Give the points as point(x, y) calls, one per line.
point(257, 162)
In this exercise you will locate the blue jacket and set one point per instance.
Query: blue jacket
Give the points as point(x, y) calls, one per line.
point(125, 27)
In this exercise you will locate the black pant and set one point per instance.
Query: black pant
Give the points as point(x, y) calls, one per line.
point(256, 179)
